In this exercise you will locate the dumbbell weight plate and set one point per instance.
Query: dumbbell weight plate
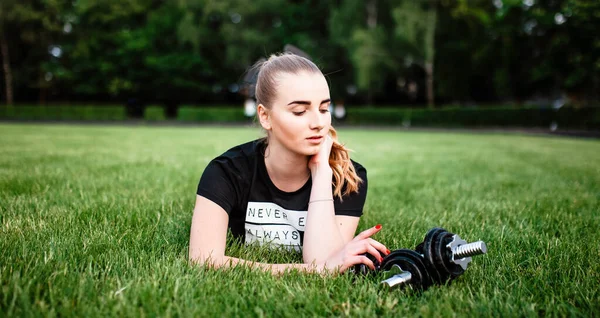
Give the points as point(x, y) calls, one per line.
point(439, 257)
point(409, 261)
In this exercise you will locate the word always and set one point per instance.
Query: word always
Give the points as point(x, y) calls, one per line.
point(268, 223)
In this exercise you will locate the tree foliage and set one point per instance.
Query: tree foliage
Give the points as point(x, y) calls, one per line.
point(375, 51)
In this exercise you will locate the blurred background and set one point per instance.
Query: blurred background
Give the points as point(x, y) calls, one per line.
point(160, 59)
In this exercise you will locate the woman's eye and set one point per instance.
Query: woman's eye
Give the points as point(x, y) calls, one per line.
point(324, 110)
point(299, 113)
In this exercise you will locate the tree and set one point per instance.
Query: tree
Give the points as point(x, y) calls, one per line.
point(573, 49)
point(99, 59)
point(415, 27)
point(362, 29)
point(5, 14)
point(30, 29)
point(370, 50)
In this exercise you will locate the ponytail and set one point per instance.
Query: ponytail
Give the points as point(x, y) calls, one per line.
point(343, 169)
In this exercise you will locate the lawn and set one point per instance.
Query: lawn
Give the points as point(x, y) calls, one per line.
point(94, 221)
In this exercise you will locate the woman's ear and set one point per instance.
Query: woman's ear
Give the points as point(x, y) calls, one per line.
point(263, 117)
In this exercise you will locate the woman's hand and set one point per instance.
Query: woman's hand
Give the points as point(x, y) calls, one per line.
point(353, 252)
point(321, 159)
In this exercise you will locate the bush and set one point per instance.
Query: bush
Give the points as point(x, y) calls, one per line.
point(578, 118)
point(212, 114)
point(94, 113)
point(526, 117)
point(376, 116)
point(154, 113)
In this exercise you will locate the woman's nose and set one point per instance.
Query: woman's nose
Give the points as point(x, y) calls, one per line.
point(317, 121)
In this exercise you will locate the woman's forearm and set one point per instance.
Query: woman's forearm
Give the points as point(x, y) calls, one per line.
point(275, 269)
point(321, 234)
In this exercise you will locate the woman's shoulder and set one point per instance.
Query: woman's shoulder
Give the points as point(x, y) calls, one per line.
point(226, 178)
point(248, 150)
point(240, 158)
point(360, 169)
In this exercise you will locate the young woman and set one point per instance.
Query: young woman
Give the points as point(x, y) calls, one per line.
point(296, 188)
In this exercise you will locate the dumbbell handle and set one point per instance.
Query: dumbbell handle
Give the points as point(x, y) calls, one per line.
point(398, 279)
point(396, 276)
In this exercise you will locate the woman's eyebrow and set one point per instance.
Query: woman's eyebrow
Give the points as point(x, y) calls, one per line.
point(304, 102)
point(300, 102)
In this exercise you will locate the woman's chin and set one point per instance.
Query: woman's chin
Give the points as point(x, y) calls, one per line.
point(310, 151)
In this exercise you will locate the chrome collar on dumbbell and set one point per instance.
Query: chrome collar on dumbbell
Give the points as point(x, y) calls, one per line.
point(462, 251)
point(396, 276)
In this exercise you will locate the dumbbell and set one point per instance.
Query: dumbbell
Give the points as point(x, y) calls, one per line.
point(442, 256)
point(447, 255)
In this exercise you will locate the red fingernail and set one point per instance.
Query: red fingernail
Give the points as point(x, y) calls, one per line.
point(388, 252)
point(378, 226)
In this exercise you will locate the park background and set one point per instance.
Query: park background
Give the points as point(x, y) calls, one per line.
point(445, 63)
point(110, 111)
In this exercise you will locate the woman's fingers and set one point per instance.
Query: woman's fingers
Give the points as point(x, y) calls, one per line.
point(380, 247)
point(322, 157)
point(360, 259)
point(362, 247)
point(356, 250)
point(368, 232)
point(325, 150)
point(373, 251)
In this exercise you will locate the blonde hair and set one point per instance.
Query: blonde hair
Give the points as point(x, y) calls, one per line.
point(345, 179)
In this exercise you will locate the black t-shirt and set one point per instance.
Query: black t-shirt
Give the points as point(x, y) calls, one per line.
point(258, 211)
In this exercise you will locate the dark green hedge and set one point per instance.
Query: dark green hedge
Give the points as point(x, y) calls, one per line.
point(154, 113)
point(212, 114)
point(583, 118)
point(526, 117)
point(565, 117)
point(100, 113)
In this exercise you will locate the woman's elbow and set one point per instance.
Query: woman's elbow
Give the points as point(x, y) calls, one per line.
point(312, 258)
point(196, 257)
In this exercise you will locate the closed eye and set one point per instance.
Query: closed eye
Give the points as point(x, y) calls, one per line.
point(325, 106)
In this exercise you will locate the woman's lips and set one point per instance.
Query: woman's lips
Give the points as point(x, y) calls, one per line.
point(315, 139)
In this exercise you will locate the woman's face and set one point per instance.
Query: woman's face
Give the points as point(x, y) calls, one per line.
point(299, 117)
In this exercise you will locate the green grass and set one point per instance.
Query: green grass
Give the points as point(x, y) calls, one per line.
point(94, 221)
